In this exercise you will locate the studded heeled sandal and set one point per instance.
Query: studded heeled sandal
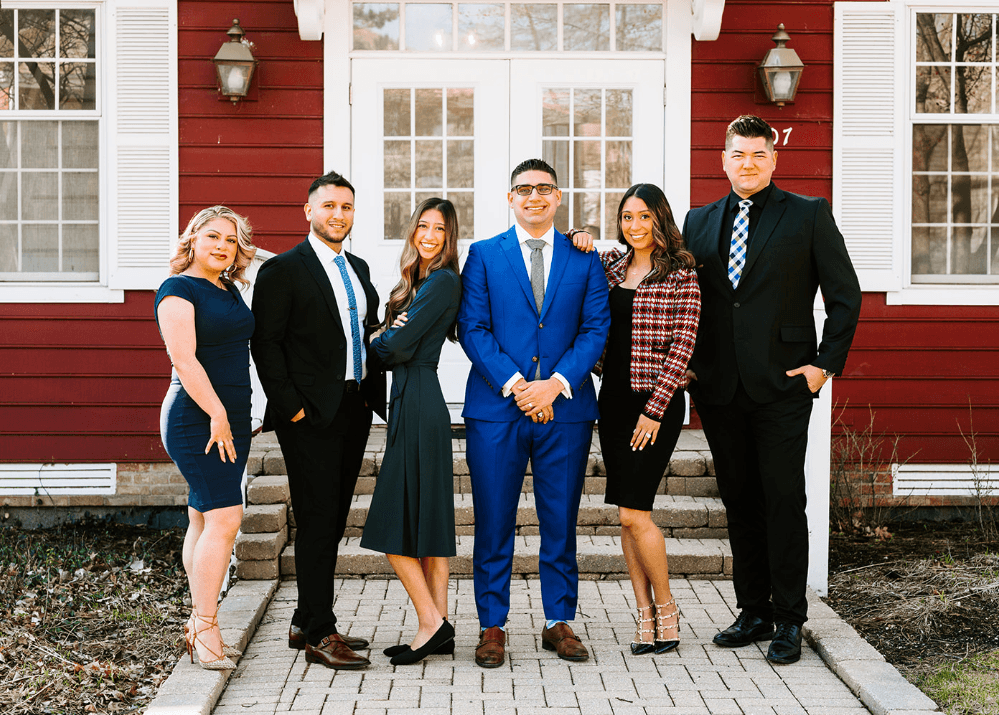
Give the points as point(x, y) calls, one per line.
point(662, 645)
point(639, 646)
point(226, 649)
point(221, 661)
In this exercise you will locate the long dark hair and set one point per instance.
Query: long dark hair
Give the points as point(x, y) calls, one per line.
point(409, 265)
point(670, 253)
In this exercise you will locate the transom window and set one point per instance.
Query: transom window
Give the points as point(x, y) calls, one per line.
point(49, 145)
point(509, 26)
point(955, 149)
point(428, 142)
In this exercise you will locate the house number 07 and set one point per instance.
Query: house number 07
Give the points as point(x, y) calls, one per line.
point(785, 132)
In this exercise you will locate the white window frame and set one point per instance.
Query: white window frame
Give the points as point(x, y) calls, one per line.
point(931, 293)
point(118, 124)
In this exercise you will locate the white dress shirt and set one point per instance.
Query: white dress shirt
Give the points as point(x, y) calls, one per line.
point(326, 257)
point(547, 252)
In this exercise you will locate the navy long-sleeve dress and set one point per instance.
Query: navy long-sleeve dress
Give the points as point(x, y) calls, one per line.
point(412, 509)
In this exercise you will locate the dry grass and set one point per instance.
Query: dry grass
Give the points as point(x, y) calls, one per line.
point(90, 617)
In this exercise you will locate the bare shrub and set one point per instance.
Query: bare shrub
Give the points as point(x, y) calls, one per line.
point(981, 483)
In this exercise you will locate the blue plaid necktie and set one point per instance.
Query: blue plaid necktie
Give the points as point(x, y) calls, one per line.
point(740, 235)
point(355, 328)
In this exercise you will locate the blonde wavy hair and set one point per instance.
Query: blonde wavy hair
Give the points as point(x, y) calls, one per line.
point(183, 257)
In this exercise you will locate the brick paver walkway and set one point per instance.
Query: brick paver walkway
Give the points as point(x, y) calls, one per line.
point(700, 678)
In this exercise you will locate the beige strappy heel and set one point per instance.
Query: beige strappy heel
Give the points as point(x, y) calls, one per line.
point(222, 661)
point(640, 647)
point(665, 646)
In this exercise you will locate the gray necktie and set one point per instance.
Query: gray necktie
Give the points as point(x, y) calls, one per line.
point(537, 271)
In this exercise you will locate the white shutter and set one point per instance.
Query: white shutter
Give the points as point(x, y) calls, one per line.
point(868, 135)
point(142, 141)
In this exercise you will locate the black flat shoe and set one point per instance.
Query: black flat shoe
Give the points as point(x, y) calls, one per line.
point(786, 645)
point(409, 656)
point(394, 650)
point(746, 629)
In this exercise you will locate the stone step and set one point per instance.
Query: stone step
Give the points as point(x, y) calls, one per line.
point(680, 517)
point(599, 557)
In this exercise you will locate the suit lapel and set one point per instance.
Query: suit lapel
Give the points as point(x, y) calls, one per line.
point(560, 257)
point(315, 268)
point(511, 248)
point(764, 230)
point(711, 236)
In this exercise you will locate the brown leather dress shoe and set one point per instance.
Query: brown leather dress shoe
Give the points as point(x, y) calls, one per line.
point(296, 640)
point(491, 650)
point(334, 653)
point(563, 641)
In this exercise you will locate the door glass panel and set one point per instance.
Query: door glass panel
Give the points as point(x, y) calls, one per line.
point(534, 27)
point(593, 171)
point(481, 27)
point(639, 27)
point(428, 150)
point(586, 27)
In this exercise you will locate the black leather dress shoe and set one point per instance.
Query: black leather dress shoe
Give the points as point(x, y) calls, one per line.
point(746, 629)
point(786, 645)
point(296, 639)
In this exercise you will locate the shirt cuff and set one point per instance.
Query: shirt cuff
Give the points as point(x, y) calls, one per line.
point(567, 392)
point(508, 387)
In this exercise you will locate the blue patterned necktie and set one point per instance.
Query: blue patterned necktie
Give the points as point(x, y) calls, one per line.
point(355, 328)
point(740, 235)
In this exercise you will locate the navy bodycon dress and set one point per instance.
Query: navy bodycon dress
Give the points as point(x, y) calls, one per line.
point(223, 326)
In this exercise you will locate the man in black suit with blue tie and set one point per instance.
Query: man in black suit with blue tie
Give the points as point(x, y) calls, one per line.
point(315, 308)
point(762, 253)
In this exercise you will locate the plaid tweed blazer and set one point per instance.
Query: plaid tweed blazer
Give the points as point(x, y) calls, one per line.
point(663, 330)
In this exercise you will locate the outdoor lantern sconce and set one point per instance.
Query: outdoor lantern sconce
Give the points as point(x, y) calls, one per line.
point(781, 70)
point(234, 64)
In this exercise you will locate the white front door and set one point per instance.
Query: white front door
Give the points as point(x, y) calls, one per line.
point(456, 128)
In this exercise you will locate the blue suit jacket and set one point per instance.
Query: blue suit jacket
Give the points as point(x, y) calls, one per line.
point(502, 333)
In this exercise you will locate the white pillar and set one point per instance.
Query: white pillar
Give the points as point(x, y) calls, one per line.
point(817, 478)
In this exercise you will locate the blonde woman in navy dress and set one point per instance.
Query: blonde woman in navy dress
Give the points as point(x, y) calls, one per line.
point(411, 519)
point(205, 421)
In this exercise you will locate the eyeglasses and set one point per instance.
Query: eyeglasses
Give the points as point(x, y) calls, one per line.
point(528, 189)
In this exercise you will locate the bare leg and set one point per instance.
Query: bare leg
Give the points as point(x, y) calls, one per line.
point(210, 563)
point(195, 526)
point(648, 558)
point(410, 572)
point(436, 571)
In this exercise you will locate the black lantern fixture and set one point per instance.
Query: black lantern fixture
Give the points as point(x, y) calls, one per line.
point(781, 70)
point(234, 64)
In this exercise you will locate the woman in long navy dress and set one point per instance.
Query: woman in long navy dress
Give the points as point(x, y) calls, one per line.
point(205, 420)
point(411, 519)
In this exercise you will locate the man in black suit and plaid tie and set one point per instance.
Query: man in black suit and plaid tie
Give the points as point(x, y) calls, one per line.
point(762, 253)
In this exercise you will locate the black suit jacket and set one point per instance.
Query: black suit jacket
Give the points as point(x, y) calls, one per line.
point(299, 344)
point(765, 327)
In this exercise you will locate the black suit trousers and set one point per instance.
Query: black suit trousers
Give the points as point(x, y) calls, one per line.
point(323, 465)
point(759, 456)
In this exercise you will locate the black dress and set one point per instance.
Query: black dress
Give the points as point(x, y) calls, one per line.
point(633, 477)
point(412, 509)
point(222, 326)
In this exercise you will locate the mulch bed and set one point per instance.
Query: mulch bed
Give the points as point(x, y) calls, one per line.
point(90, 617)
point(929, 595)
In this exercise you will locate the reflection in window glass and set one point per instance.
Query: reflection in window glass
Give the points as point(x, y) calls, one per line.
point(36, 33)
point(434, 157)
point(481, 27)
point(586, 27)
point(534, 27)
point(6, 33)
point(587, 141)
point(955, 203)
point(639, 27)
point(428, 27)
point(955, 63)
point(376, 26)
point(77, 33)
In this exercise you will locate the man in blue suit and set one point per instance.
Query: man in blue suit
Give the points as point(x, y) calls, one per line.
point(533, 320)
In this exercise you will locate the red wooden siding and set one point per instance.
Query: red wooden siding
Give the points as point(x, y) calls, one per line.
point(84, 383)
point(915, 367)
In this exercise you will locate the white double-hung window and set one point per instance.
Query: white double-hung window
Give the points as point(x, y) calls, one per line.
point(88, 167)
point(916, 155)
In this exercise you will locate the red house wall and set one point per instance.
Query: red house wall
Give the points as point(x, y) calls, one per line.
point(84, 382)
point(916, 367)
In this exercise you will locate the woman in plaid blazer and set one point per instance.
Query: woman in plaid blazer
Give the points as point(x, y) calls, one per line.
point(655, 306)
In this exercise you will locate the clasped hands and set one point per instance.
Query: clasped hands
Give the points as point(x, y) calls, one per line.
point(535, 398)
